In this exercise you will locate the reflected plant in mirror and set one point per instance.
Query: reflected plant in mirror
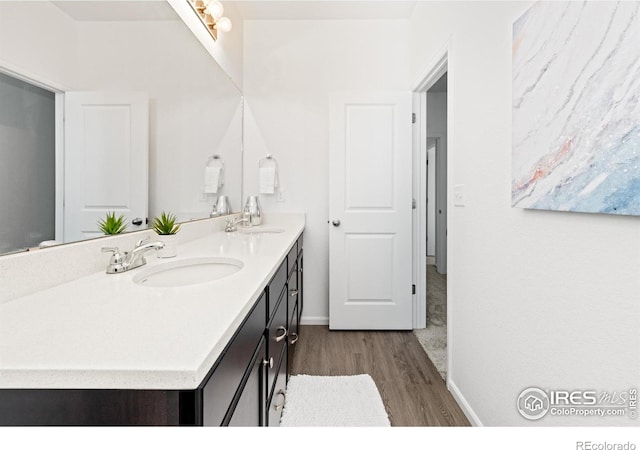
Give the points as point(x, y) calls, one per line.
point(191, 109)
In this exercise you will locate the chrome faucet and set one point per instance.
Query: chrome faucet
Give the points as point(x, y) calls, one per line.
point(231, 224)
point(130, 260)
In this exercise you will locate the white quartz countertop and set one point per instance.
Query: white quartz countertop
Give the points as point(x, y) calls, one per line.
point(106, 332)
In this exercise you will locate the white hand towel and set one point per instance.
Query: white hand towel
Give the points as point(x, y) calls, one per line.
point(211, 179)
point(267, 180)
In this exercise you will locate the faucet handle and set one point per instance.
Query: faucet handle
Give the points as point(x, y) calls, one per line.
point(142, 241)
point(116, 258)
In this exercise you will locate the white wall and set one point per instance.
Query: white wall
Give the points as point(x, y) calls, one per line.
point(290, 67)
point(536, 298)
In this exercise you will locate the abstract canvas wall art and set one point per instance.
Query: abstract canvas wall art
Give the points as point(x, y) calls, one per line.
point(576, 107)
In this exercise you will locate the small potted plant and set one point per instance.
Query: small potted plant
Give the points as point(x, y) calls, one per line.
point(166, 227)
point(112, 224)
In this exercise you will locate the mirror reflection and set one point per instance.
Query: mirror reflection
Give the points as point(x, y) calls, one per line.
point(145, 110)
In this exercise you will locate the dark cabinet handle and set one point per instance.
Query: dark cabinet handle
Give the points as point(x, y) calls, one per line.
point(268, 363)
point(281, 337)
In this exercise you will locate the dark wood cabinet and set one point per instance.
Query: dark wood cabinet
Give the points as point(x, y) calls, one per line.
point(277, 340)
point(224, 381)
point(247, 411)
point(276, 400)
point(245, 387)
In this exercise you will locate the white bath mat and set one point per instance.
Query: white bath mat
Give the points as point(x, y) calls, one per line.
point(343, 401)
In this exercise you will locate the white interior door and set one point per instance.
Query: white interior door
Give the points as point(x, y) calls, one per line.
point(370, 274)
point(106, 160)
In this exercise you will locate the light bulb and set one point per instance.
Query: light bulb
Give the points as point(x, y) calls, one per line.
point(214, 9)
point(223, 24)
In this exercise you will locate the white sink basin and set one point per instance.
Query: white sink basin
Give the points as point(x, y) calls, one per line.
point(259, 229)
point(187, 272)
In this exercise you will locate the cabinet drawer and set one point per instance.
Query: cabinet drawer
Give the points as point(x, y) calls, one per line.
point(292, 338)
point(231, 366)
point(292, 257)
point(276, 401)
point(292, 289)
point(277, 339)
point(275, 287)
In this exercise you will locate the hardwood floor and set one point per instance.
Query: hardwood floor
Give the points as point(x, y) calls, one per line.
point(413, 392)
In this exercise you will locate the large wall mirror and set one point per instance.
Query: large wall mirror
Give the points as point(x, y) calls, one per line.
point(89, 61)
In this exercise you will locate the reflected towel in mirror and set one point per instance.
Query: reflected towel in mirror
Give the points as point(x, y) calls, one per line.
point(211, 179)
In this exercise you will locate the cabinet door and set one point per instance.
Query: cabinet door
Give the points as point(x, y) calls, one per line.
point(277, 334)
point(247, 411)
point(230, 369)
point(277, 399)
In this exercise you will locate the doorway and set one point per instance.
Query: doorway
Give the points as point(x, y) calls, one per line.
point(433, 337)
point(432, 303)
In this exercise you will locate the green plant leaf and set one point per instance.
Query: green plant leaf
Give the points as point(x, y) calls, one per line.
point(112, 224)
point(165, 224)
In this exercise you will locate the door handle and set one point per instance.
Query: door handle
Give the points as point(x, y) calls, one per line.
point(137, 221)
point(335, 223)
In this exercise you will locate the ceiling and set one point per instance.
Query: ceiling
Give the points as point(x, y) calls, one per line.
point(151, 10)
point(323, 9)
point(116, 10)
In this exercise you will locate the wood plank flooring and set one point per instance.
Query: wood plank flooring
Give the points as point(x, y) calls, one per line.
point(413, 392)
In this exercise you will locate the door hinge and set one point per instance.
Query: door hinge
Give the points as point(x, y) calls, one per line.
point(413, 289)
point(413, 117)
point(413, 203)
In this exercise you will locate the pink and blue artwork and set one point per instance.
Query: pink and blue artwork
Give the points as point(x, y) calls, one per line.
point(576, 107)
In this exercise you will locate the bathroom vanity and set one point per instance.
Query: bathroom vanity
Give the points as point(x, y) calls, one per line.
point(110, 350)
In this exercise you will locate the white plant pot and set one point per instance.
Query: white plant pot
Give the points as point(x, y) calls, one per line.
point(169, 250)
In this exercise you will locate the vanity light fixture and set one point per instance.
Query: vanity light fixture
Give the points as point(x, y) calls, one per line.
point(210, 13)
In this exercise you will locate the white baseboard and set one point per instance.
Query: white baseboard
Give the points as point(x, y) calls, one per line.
point(464, 405)
point(318, 320)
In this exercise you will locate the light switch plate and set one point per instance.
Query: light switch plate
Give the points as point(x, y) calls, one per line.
point(281, 195)
point(458, 195)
